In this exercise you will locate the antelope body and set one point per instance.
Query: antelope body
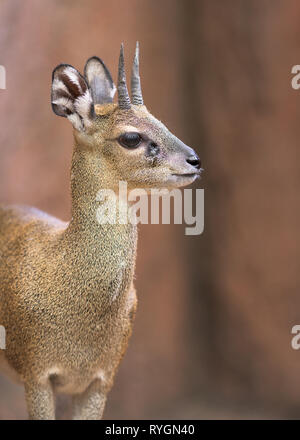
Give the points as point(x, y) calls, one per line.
point(67, 299)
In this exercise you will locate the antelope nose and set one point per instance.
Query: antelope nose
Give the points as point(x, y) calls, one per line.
point(194, 161)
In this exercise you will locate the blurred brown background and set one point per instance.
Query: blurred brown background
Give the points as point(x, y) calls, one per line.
point(212, 338)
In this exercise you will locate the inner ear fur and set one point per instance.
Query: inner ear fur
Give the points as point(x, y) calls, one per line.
point(71, 97)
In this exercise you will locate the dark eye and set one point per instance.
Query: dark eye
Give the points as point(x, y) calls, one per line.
point(130, 140)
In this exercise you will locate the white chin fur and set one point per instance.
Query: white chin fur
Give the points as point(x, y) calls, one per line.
point(181, 180)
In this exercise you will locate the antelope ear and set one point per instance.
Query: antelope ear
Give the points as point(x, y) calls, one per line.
point(71, 97)
point(99, 80)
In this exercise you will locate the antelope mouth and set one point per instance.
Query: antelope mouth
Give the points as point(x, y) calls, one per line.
point(183, 179)
point(188, 175)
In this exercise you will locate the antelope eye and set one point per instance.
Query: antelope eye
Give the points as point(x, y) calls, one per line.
point(130, 140)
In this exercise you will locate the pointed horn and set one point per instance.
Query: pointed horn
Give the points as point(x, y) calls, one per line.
point(136, 91)
point(123, 96)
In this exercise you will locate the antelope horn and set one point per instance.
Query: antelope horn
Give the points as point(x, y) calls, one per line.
point(123, 96)
point(136, 91)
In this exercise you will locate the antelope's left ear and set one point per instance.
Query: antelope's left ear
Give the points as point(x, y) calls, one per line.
point(71, 97)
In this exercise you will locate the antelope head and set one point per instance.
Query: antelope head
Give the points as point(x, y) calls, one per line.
point(123, 140)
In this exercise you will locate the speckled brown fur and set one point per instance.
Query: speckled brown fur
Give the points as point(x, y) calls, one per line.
point(67, 299)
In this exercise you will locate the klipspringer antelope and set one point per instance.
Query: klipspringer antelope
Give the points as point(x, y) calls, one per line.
point(67, 299)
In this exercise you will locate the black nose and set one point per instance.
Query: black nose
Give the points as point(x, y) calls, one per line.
point(194, 160)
